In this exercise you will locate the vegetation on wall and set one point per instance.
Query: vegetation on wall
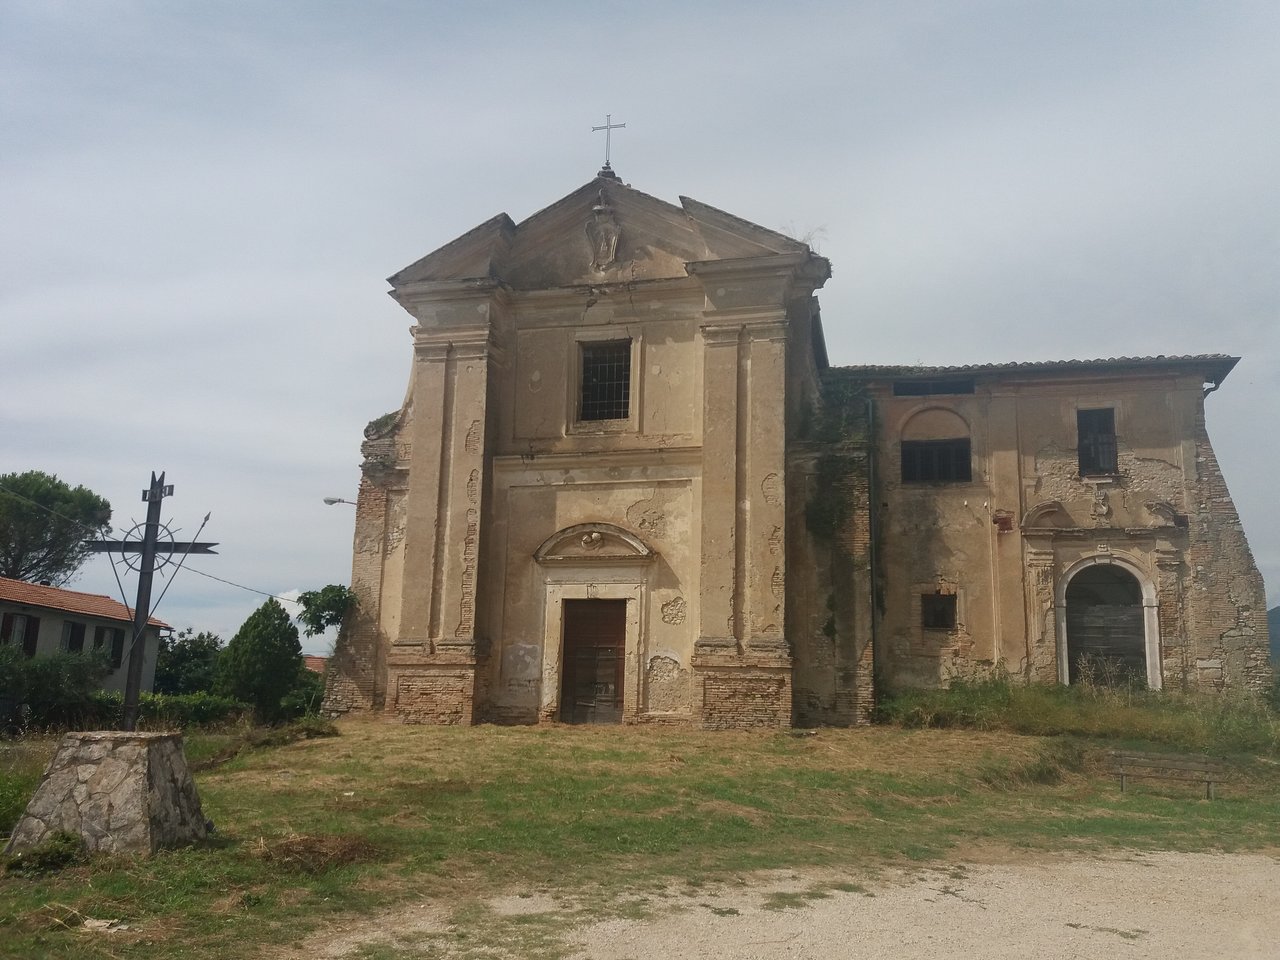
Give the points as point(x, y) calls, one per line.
point(325, 608)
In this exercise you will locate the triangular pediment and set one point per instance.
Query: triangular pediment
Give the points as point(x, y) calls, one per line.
point(603, 232)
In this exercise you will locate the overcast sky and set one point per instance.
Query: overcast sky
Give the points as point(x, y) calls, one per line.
point(199, 203)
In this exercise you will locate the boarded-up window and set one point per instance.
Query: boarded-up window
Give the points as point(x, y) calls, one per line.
point(936, 461)
point(606, 381)
point(1096, 431)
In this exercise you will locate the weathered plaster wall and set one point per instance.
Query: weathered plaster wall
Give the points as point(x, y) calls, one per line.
point(1007, 543)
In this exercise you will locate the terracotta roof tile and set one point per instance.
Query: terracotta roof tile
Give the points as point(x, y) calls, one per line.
point(68, 601)
point(1219, 363)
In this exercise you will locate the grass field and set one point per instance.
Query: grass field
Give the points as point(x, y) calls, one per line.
point(314, 833)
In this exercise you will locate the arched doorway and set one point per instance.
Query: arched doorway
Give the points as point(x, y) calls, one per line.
point(1107, 629)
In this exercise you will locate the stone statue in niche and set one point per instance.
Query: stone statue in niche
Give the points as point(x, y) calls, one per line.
point(602, 233)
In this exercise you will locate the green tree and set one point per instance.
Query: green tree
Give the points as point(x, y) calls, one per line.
point(46, 525)
point(261, 663)
point(187, 662)
point(325, 608)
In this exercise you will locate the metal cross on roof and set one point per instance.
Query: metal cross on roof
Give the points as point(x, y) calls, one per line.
point(608, 128)
point(147, 548)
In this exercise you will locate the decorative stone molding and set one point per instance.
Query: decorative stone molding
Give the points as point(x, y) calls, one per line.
point(596, 543)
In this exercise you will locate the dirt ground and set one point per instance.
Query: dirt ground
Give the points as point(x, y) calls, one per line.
point(1138, 906)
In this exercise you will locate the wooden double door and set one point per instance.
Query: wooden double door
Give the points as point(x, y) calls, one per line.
point(595, 638)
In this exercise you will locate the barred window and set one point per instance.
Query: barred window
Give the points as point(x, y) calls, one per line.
point(936, 461)
point(606, 381)
point(1096, 431)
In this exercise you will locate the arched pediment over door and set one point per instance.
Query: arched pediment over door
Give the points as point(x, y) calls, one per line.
point(594, 543)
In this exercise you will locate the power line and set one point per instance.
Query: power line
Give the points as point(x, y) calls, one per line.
point(232, 583)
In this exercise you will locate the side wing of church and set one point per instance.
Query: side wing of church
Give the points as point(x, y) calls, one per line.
point(624, 486)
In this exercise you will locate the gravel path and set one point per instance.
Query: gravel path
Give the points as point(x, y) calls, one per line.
point(1160, 905)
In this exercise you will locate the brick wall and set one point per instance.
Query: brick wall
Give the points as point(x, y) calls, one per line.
point(738, 699)
point(353, 681)
point(1225, 616)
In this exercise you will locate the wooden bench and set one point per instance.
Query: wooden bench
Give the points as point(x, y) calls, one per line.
point(1187, 767)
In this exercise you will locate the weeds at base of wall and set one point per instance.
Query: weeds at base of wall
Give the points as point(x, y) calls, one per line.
point(1221, 723)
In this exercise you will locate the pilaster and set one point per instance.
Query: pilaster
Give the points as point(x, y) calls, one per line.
point(431, 666)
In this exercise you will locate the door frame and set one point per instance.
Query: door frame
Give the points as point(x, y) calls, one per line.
point(558, 591)
point(1150, 615)
point(617, 643)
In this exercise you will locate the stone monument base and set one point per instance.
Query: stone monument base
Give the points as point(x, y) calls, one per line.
point(120, 792)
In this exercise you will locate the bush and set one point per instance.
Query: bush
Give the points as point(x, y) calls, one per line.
point(305, 697)
point(1190, 721)
point(57, 850)
point(61, 690)
point(160, 711)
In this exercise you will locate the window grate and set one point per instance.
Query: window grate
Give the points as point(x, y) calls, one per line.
point(606, 381)
point(936, 461)
point(938, 611)
point(1096, 430)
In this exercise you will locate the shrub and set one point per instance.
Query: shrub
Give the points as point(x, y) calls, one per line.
point(61, 689)
point(160, 711)
point(57, 850)
point(1191, 721)
point(305, 697)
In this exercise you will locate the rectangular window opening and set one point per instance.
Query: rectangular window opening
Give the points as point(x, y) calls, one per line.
point(932, 388)
point(72, 637)
point(936, 461)
point(1096, 432)
point(938, 611)
point(606, 381)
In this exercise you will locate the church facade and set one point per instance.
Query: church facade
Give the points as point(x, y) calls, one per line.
point(625, 485)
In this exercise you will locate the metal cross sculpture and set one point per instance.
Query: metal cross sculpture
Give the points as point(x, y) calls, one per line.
point(148, 547)
point(608, 128)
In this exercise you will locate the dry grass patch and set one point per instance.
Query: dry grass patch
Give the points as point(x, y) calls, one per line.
point(316, 854)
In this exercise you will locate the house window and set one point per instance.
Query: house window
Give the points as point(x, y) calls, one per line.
point(112, 639)
point(72, 637)
point(938, 611)
point(1096, 432)
point(936, 461)
point(606, 381)
point(21, 630)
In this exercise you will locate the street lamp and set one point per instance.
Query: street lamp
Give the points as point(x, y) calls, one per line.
point(330, 501)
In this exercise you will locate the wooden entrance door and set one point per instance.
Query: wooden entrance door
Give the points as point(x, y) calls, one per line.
point(595, 636)
point(1106, 631)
